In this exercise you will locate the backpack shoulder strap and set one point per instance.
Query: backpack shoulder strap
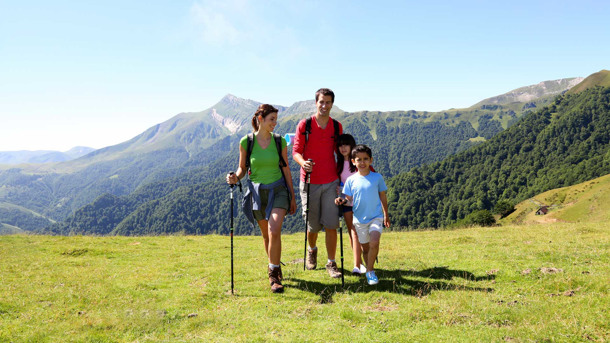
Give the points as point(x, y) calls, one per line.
point(249, 148)
point(307, 129)
point(278, 145)
point(336, 126)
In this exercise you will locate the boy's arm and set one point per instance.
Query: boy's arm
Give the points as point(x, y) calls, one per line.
point(384, 207)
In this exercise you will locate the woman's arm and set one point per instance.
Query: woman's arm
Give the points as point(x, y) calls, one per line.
point(288, 177)
point(241, 169)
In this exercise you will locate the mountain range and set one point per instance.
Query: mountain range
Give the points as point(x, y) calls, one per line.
point(42, 156)
point(113, 189)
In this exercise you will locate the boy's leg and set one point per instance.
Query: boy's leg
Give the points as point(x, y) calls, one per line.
point(373, 250)
point(375, 228)
point(365, 254)
point(363, 238)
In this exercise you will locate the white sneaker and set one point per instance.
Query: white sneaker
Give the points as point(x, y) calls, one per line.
point(356, 271)
point(362, 269)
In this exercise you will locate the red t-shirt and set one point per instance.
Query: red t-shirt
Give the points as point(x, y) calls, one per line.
point(320, 148)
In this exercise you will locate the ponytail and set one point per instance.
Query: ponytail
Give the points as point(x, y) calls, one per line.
point(255, 122)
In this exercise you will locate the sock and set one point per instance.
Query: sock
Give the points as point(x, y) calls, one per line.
point(273, 266)
point(329, 261)
point(313, 249)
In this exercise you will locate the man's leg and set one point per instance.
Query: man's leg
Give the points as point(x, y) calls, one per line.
point(331, 243)
point(312, 238)
point(312, 220)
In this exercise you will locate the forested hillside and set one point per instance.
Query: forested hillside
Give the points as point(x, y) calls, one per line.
point(196, 202)
point(161, 198)
point(559, 145)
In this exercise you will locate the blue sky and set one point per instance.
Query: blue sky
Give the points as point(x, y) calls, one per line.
point(98, 73)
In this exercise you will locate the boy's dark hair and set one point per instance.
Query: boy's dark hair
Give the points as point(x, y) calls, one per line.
point(325, 91)
point(361, 148)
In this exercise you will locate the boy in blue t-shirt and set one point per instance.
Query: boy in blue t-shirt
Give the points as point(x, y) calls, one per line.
point(366, 189)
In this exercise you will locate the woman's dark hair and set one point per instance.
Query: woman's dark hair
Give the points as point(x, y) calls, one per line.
point(345, 139)
point(263, 110)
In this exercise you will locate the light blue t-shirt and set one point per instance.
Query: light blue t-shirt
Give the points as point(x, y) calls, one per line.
point(365, 192)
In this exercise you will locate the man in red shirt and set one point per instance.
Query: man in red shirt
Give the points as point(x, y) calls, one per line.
point(320, 148)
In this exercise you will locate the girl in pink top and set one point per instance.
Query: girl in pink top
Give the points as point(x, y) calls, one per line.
point(345, 168)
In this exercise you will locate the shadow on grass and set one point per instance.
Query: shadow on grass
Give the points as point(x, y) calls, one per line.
point(394, 281)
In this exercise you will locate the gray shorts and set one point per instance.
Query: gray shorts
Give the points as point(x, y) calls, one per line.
point(323, 213)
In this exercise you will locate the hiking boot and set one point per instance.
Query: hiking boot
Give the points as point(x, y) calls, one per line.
point(333, 271)
point(274, 280)
point(312, 259)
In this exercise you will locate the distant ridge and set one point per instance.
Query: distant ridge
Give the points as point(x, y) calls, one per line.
point(532, 92)
point(42, 156)
point(601, 78)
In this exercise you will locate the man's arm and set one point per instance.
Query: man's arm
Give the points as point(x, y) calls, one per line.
point(298, 149)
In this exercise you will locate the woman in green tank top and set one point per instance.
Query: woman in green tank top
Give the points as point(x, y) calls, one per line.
point(272, 193)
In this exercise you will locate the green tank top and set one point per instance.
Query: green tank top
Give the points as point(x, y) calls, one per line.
point(264, 163)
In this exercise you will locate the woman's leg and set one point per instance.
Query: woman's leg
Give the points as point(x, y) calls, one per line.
point(264, 226)
point(275, 235)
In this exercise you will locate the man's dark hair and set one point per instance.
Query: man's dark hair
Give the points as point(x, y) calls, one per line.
point(325, 91)
point(361, 148)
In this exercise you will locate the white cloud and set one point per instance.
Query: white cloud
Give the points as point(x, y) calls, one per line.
point(244, 26)
point(213, 23)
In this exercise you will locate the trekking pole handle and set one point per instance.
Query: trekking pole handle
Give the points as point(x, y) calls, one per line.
point(308, 174)
point(231, 185)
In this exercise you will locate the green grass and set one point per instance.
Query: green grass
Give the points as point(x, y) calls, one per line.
point(584, 202)
point(601, 78)
point(478, 284)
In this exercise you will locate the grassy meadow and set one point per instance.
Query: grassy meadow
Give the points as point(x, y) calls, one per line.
point(542, 282)
point(584, 202)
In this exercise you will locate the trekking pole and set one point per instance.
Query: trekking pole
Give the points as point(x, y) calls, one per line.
point(307, 180)
point(341, 243)
point(231, 209)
